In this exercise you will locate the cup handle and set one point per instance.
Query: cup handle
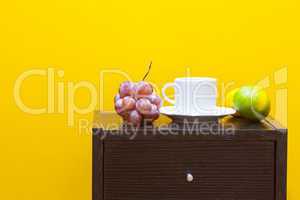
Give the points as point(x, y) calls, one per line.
point(166, 86)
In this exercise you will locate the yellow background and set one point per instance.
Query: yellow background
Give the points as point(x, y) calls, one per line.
point(41, 157)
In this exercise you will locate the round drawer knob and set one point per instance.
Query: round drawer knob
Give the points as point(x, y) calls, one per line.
point(189, 177)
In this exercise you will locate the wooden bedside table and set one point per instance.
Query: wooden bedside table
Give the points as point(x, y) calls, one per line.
point(233, 160)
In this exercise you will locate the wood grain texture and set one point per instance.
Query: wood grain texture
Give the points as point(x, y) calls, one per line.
point(281, 167)
point(142, 170)
point(281, 159)
point(250, 164)
point(98, 175)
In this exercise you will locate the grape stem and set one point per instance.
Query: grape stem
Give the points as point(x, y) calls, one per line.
point(149, 68)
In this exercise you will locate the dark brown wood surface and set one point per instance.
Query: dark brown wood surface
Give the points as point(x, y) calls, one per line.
point(249, 164)
point(111, 121)
point(146, 170)
point(98, 169)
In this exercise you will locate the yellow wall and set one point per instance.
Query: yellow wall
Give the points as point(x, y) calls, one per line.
point(41, 157)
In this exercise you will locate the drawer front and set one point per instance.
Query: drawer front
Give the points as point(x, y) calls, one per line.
point(189, 170)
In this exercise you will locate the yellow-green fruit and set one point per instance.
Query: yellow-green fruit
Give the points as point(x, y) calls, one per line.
point(229, 100)
point(252, 103)
point(229, 97)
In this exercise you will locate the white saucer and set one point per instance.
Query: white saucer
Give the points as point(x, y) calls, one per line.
point(216, 112)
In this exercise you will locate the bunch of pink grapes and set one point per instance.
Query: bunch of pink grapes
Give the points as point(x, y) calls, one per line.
point(136, 102)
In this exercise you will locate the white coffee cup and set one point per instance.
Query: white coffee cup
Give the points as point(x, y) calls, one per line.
point(193, 94)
